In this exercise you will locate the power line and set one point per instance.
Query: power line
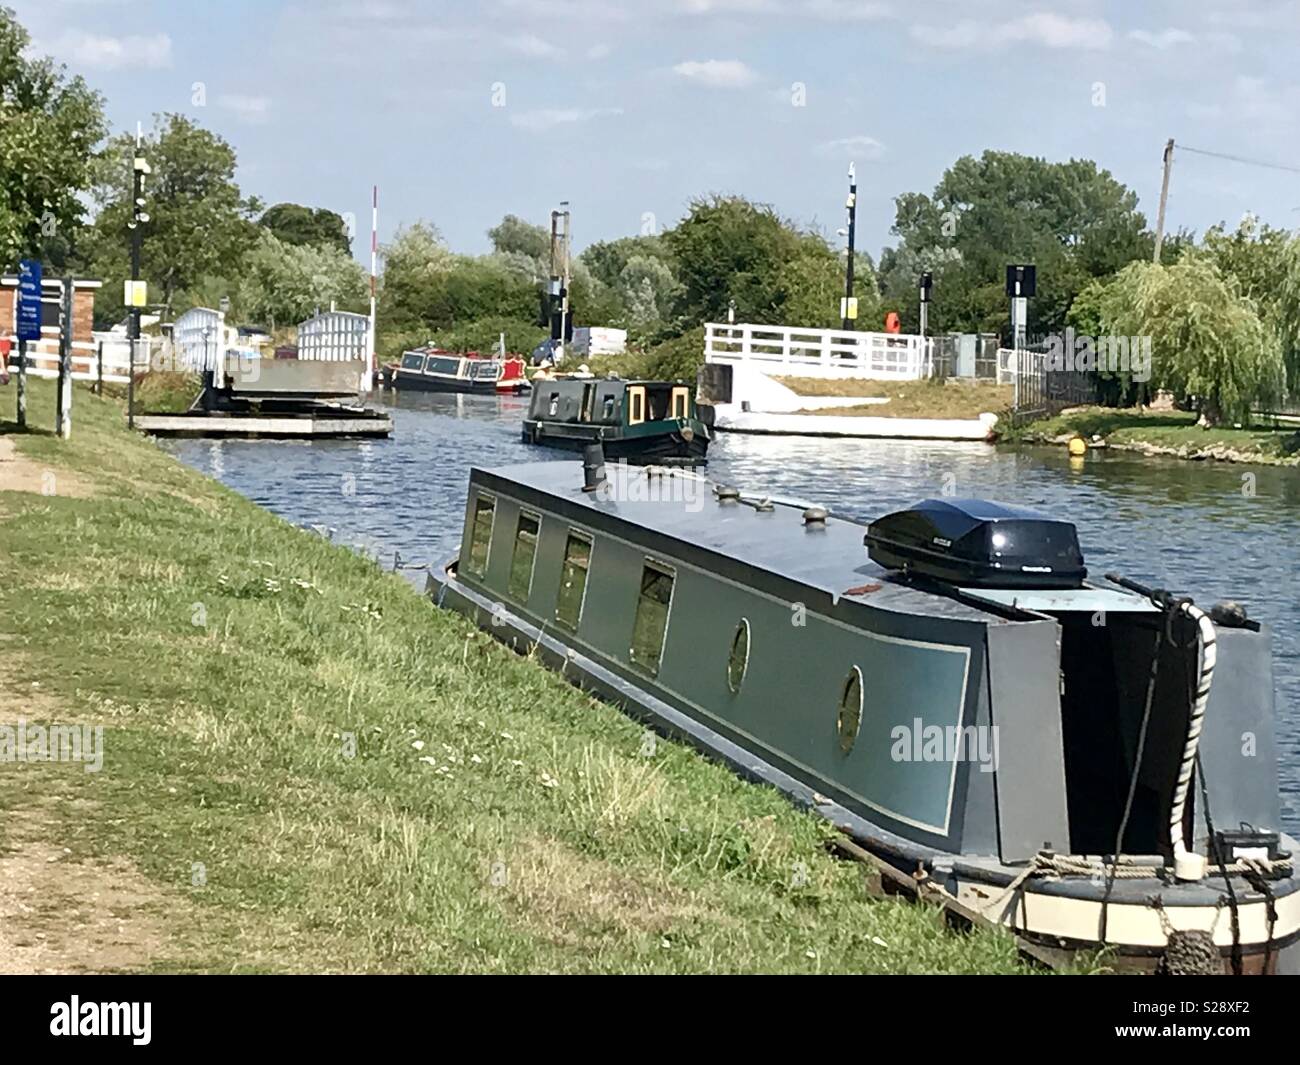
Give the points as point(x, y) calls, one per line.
point(1241, 159)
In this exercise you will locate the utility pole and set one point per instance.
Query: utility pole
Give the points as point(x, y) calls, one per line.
point(850, 309)
point(1164, 198)
point(135, 290)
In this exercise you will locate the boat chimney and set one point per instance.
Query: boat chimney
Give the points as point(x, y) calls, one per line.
point(593, 467)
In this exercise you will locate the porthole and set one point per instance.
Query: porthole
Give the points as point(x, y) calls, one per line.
point(849, 720)
point(738, 660)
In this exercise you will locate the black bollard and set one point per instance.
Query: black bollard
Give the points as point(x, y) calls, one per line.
point(593, 467)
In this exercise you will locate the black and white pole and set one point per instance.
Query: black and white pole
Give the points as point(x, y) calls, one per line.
point(849, 310)
point(135, 290)
point(1022, 282)
point(63, 407)
point(923, 287)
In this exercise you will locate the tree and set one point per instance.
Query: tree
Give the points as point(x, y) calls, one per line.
point(294, 224)
point(1073, 220)
point(199, 223)
point(1209, 345)
point(513, 234)
point(50, 125)
point(727, 248)
point(286, 283)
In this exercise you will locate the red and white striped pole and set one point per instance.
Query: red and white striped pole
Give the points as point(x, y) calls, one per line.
point(374, 256)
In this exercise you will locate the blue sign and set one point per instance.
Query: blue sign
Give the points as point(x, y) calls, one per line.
point(29, 299)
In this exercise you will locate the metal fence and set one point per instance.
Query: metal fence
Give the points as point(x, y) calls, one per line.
point(830, 353)
point(1041, 391)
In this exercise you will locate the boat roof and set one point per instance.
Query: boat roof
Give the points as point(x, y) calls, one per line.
point(683, 506)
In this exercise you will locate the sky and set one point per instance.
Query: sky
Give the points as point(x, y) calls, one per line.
point(462, 112)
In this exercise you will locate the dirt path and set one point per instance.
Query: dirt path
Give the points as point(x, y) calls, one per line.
point(59, 914)
point(20, 474)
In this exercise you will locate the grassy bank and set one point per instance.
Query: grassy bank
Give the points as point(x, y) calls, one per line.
point(490, 819)
point(1172, 433)
point(930, 398)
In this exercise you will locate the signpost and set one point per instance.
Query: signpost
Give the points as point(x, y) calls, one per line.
point(29, 325)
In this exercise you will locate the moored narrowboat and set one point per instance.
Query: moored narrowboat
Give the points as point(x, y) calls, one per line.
point(436, 370)
point(635, 421)
point(1063, 758)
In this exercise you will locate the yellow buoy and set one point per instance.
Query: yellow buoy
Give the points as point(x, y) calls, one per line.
point(1078, 445)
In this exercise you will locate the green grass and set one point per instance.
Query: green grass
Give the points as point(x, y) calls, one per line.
point(1163, 432)
point(930, 398)
point(230, 655)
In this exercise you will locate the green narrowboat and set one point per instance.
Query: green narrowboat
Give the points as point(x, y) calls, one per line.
point(635, 421)
point(1041, 751)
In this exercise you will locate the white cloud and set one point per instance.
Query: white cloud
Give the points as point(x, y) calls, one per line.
point(717, 73)
point(541, 120)
point(598, 51)
point(846, 10)
point(101, 52)
point(1043, 28)
point(1163, 40)
point(857, 147)
point(251, 109)
point(531, 45)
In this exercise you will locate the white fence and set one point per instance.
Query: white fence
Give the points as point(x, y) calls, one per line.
point(43, 359)
point(790, 351)
point(334, 336)
point(199, 339)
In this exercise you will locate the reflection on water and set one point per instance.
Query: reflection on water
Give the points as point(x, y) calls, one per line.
point(1212, 529)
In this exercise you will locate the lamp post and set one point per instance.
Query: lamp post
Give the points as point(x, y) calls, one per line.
point(139, 168)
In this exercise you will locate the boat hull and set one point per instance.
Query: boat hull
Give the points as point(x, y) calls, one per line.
point(1058, 916)
point(666, 446)
point(405, 381)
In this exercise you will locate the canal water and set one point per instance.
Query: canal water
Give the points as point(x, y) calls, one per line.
point(1215, 530)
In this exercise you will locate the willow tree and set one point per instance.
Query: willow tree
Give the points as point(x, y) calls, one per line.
point(1209, 345)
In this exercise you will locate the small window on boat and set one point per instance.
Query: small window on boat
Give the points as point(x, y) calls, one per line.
point(554, 408)
point(573, 580)
point(849, 720)
point(521, 562)
point(651, 622)
point(607, 410)
point(636, 413)
point(412, 361)
point(442, 365)
point(738, 660)
point(679, 402)
point(481, 534)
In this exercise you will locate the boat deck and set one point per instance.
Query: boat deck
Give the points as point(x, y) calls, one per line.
point(830, 558)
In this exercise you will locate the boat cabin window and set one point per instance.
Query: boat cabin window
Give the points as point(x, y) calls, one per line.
point(849, 719)
point(525, 554)
point(481, 534)
point(412, 360)
point(681, 400)
point(441, 364)
point(738, 660)
point(554, 407)
point(636, 406)
point(651, 621)
point(485, 370)
point(573, 579)
point(658, 402)
point(607, 409)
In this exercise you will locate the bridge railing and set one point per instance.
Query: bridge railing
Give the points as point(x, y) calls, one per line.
point(795, 352)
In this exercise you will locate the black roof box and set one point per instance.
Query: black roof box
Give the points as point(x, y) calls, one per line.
point(978, 543)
